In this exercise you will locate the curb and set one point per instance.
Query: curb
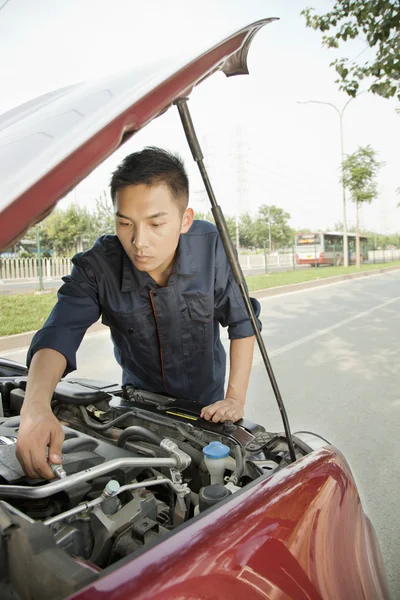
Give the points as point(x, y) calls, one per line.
point(21, 340)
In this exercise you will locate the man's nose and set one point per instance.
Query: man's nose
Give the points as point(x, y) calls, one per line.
point(139, 238)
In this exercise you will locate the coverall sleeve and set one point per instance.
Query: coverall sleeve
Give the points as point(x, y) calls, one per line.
point(77, 308)
point(229, 307)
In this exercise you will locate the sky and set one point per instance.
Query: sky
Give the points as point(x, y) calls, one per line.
point(260, 145)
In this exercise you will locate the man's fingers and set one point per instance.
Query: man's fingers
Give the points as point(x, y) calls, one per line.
point(40, 464)
point(220, 415)
point(209, 411)
point(25, 461)
point(221, 411)
point(55, 446)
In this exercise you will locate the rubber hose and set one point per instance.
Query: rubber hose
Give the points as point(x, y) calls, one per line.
point(196, 456)
point(103, 426)
point(138, 433)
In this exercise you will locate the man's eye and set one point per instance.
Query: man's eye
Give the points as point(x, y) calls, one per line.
point(123, 224)
point(156, 224)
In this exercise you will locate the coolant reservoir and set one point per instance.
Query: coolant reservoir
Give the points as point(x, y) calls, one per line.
point(216, 456)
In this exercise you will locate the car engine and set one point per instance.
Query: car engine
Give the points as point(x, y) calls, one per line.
point(135, 466)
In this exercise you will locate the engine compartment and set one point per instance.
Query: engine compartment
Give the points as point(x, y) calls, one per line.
point(136, 466)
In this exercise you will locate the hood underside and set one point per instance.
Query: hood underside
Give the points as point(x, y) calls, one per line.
point(50, 144)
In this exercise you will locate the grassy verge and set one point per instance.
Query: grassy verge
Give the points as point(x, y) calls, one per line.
point(28, 312)
point(25, 312)
point(270, 280)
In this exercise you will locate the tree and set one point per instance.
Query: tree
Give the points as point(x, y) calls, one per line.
point(247, 231)
point(208, 216)
point(359, 173)
point(104, 215)
point(378, 22)
point(272, 224)
point(63, 228)
point(230, 223)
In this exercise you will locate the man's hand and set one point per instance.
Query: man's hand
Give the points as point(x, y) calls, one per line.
point(229, 409)
point(38, 429)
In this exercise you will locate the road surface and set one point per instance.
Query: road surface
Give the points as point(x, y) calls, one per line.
point(335, 352)
point(9, 287)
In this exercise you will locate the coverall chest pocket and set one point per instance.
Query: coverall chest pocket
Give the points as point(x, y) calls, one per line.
point(200, 322)
point(128, 324)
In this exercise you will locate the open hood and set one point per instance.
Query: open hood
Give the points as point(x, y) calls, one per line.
point(50, 144)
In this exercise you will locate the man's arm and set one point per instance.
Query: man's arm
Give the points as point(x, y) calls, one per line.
point(52, 354)
point(232, 407)
point(39, 428)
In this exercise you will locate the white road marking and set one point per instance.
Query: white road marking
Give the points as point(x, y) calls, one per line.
point(326, 330)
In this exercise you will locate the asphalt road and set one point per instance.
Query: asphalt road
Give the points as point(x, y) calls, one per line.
point(8, 287)
point(335, 352)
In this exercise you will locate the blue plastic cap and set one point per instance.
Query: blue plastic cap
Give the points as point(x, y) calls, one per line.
point(112, 487)
point(216, 450)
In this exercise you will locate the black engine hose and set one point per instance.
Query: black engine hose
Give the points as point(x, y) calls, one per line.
point(103, 426)
point(196, 456)
point(138, 433)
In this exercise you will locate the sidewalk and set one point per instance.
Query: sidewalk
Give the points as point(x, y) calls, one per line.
point(21, 340)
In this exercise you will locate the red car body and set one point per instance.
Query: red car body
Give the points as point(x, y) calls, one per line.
point(300, 533)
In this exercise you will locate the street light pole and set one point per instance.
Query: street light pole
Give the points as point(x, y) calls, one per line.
point(39, 258)
point(269, 228)
point(340, 114)
point(237, 231)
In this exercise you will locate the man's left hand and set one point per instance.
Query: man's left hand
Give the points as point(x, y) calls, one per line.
point(229, 409)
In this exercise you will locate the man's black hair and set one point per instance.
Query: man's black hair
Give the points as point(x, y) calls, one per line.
point(152, 166)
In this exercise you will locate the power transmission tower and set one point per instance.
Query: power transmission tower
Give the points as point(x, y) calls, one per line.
point(241, 180)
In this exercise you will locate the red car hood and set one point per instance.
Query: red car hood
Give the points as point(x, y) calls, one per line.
point(48, 145)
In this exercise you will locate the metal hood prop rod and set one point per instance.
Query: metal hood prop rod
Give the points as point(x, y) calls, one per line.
point(233, 260)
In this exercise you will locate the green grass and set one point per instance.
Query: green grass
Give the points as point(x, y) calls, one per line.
point(270, 280)
point(25, 312)
point(28, 312)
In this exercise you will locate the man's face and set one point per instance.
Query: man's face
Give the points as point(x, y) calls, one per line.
point(148, 224)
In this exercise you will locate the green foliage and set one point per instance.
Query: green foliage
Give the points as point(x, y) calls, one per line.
point(272, 216)
point(208, 216)
point(359, 171)
point(254, 232)
point(378, 23)
point(63, 227)
point(359, 174)
point(104, 215)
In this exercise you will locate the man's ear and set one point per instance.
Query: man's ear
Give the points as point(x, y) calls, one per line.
point(187, 220)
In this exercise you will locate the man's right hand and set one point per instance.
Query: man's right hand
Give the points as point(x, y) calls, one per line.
point(39, 429)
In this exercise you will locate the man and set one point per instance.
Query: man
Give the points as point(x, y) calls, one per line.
point(163, 285)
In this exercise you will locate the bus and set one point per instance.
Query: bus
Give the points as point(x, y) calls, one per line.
point(317, 249)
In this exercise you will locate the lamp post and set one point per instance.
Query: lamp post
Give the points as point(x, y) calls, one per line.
point(269, 229)
point(39, 258)
point(340, 114)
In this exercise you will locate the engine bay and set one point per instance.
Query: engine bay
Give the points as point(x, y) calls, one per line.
point(135, 467)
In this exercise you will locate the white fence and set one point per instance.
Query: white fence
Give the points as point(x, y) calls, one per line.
point(383, 255)
point(28, 268)
point(55, 268)
point(285, 259)
point(275, 259)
